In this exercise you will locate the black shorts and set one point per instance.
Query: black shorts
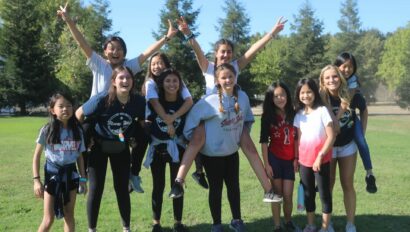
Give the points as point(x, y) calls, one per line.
point(282, 169)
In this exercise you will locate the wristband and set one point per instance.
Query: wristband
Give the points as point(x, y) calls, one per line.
point(83, 179)
point(36, 177)
point(166, 38)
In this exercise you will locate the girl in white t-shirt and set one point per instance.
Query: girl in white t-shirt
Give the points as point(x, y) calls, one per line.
point(315, 140)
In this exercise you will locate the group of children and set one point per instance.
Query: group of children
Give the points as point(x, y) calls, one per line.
point(293, 139)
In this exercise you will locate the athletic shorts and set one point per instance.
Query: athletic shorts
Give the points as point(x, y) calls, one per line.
point(282, 169)
point(344, 151)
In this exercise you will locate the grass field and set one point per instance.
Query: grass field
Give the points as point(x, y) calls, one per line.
point(387, 210)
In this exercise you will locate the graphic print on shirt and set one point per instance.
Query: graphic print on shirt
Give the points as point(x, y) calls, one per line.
point(118, 123)
point(163, 126)
point(345, 121)
point(230, 122)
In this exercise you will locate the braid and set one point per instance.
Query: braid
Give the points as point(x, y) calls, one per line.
point(235, 96)
point(221, 107)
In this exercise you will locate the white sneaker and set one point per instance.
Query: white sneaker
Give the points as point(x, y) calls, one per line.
point(350, 227)
point(309, 228)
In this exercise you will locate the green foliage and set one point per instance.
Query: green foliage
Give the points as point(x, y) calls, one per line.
point(304, 56)
point(178, 51)
point(26, 76)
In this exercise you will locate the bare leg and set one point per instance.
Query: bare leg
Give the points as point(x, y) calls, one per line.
point(69, 222)
point(195, 145)
point(347, 166)
point(248, 147)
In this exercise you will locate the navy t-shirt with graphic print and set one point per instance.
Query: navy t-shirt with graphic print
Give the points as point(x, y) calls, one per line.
point(346, 122)
point(158, 127)
point(116, 119)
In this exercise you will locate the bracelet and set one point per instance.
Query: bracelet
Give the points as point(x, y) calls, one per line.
point(83, 179)
point(190, 36)
point(272, 36)
point(36, 177)
point(166, 38)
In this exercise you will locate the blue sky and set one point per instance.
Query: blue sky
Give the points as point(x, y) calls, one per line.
point(136, 20)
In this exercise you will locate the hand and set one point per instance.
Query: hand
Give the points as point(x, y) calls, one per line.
point(278, 26)
point(296, 165)
point(269, 171)
point(62, 12)
point(84, 186)
point(171, 30)
point(317, 163)
point(171, 130)
point(168, 119)
point(38, 189)
point(183, 26)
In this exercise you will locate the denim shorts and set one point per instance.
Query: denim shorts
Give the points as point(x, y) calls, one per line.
point(344, 151)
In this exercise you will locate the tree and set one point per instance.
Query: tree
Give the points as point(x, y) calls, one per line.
point(395, 62)
point(70, 68)
point(25, 78)
point(235, 27)
point(179, 52)
point(304, 56)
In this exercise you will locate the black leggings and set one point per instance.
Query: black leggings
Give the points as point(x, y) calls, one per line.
point(323, 182)
point(219, 170)
point(138, 152)
point(158, 179)
point(97, 169)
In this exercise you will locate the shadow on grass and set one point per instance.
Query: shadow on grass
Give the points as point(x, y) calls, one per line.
point(364, 223)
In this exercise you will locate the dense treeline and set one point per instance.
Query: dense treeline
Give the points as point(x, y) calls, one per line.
point(39, 56)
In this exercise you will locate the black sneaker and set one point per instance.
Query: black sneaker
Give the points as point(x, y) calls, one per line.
point(371, 184)
point(177, 190)
point(179, 227)
point(200, 178)
point(157, 228)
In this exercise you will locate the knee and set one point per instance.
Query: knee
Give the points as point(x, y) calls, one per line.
point(47, 222)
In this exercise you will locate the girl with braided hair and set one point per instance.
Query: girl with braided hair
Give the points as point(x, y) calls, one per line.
point(225, 115)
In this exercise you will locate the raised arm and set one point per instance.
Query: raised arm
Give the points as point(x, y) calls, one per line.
point(158, 44)
point(199, 54)
point(63, 13)
point(250, 54)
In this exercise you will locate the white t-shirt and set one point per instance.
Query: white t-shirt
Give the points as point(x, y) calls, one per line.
point(102, 72)
point(313, 136)
point(210, 77)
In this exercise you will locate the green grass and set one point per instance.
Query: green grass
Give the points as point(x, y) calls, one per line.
point(387, 210)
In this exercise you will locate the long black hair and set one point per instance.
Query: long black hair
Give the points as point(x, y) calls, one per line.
point(160, 84)
point(53, 127)
point(270, 110)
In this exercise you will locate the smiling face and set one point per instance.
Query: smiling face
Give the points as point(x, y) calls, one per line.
point(123, 82)
point(157, 65)
point(224, 54)
point(171, 85)
point(280, 98)
point(62, 109)
point(307, 96)
point(331, 80)
point(347, 69)
point(226, 78)
point(114, 53)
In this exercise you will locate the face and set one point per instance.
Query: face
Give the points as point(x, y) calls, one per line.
point(157, 65)
point(63, 109)
point(224, 54)
point(346, 69)
point(226, 79)
point(331, 80)
point(279, 98)
point(171, 84)
point(306, 96)
point(114, 53)
point(123, 82)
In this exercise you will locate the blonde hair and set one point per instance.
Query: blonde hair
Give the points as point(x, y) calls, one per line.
point(342, 91)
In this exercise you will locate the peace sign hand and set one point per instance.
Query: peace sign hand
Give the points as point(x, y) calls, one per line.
point(183, 26)
point(171, 30)
point(278, 26)
point(62, 12)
